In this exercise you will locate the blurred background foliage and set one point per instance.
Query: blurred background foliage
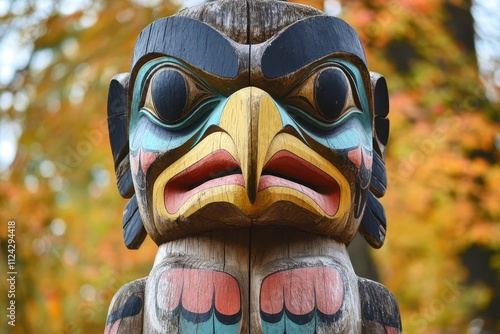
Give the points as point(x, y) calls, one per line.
point(442, 254)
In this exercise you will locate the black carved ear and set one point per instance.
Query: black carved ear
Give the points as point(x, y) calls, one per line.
point(381, 105)
point(133, 228)
point(118, 132)
point(374, 225)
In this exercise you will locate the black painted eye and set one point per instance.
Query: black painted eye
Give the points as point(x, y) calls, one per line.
point(327, 95)
point(175, 94)
point(331, 90)
point(169, 94)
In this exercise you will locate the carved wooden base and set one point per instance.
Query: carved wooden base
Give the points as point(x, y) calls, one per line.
point(253, 281)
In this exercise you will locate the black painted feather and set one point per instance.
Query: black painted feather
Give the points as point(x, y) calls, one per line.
point(134, 232)
point(373, 225)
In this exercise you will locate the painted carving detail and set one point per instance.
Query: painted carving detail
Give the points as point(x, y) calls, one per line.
point(249, 138)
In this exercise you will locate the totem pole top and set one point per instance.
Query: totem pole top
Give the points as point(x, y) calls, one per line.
point(249, 138)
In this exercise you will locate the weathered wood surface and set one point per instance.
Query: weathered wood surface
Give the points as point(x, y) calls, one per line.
point(250, 139)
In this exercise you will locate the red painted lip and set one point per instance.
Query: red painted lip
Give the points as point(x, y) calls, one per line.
point(286, 169)
point(218, 168)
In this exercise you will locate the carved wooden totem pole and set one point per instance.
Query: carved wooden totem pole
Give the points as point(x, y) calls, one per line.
point(250, 138)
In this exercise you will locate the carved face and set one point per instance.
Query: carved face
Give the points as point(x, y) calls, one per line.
point(271, 130)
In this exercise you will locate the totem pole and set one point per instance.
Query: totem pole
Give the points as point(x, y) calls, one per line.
point(250, 139)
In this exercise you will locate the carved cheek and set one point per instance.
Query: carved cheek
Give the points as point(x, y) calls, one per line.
point(135, 149)
point(359, 156)
point(363, 162)
point(134, 163)
point(142, 160)
point(355, 156)
point(147, 158)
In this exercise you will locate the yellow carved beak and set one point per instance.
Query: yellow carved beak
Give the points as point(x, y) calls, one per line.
point(252, 119)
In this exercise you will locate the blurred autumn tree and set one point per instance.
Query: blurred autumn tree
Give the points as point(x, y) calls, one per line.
point(441, 259)
point(442, 256)
point(60, 188)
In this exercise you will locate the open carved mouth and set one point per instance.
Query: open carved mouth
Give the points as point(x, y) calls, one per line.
point(216, 169)
point(284, 169)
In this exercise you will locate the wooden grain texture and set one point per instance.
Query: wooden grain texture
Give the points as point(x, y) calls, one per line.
point(250, 138)
point(227, 16)
point(267, 18)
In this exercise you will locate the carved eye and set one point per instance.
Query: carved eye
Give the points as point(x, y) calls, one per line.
point(326, 95)
point(169, 91)
point(331, 90)
point(173, 94)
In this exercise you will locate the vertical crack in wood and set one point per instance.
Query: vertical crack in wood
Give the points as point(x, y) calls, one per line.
point(249, 279)
point(249, 282)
